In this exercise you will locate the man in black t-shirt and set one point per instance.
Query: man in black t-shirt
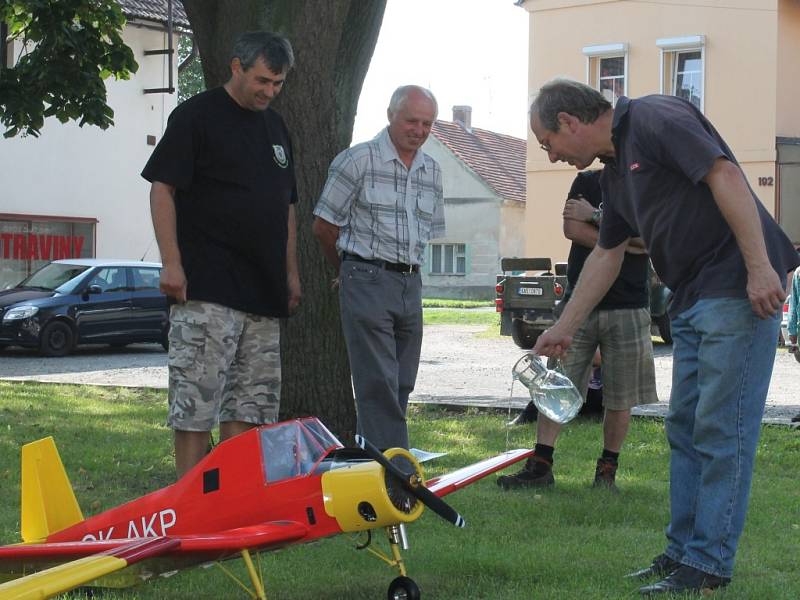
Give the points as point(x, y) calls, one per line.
point(671, 179)
point(222, 200)
point(619, 325)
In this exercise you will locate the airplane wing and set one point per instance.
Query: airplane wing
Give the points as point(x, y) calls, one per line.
point(65, 577)
point(86, 561)
point(451, 482)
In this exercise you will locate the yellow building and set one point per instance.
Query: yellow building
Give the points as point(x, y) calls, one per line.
point(737, 60)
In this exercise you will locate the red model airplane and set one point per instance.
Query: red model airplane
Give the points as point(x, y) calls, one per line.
point(281, 484)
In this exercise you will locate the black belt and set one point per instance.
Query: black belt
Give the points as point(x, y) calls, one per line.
point(389, 266)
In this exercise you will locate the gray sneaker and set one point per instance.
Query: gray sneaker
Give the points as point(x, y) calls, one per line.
point(537, 472)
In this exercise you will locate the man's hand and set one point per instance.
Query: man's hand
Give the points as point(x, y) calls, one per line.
point(295, 293)
point(578, 209)
point(765, 292)
point(553, 342)
point(173, 282)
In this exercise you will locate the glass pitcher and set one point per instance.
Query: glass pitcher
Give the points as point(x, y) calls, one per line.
point(552, 392)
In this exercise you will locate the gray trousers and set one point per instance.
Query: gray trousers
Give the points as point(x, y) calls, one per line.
point(382, 324)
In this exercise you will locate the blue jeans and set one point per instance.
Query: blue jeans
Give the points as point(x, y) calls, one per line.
point(722, 363)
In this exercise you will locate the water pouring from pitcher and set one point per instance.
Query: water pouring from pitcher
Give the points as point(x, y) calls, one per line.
point(552, 392)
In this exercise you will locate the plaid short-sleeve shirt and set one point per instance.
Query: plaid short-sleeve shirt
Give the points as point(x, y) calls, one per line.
point(383, 209)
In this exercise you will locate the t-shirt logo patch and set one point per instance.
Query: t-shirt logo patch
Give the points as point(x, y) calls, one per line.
point(280, 156)
point(634, 166)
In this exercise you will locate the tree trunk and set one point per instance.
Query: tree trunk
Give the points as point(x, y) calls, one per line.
point(333, 42)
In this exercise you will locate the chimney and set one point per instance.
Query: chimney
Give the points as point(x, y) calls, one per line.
point(463, 116)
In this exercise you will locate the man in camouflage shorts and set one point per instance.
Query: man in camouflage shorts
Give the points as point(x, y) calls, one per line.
point(223, 201)
point(222, 362)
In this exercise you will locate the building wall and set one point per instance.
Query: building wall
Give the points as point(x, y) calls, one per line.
point(740, 88)
point(788, 69)
point(472, 216)
point(86, 172)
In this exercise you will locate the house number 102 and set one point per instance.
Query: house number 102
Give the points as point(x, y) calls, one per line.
point(767, 181)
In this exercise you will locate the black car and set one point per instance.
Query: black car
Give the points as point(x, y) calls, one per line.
point(85, 301)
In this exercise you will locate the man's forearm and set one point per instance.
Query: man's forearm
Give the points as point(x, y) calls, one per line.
point(738, 208)
point(327, 234)
point(162, 211)
point(598, 274)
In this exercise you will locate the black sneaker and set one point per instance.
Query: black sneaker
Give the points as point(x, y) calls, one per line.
point(529, 414)
point(686, 579)
point(605, 475)
point(537, 472)
point(796, 418)
point(661, 566)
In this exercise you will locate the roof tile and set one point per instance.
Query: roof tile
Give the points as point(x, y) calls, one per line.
point(155, 10)
point(497, 158)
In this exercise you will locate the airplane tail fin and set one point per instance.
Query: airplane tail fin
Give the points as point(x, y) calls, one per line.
point(48, 502)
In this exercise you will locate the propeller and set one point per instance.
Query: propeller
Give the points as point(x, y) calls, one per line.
point(413, 483)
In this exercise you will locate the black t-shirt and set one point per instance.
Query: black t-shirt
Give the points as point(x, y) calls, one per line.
point(233, 171)
point(664, 147)
point(630, 289)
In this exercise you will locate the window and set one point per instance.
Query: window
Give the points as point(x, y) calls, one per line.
point(682, 68)
point(607, 70)
point(27, 243)
point(145, 278)
point(111, 279)
point(449, 259)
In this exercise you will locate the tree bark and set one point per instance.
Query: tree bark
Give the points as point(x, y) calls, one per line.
point(333, 42)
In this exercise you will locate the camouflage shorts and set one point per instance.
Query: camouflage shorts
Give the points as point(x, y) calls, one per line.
point(224, 365)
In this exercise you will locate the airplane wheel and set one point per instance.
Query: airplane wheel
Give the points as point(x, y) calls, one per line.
point(403, 588)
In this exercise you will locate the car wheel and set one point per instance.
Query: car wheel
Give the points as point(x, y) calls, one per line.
point(56, 339)
point(523, 334)
point(403, 588)
point(664, 328)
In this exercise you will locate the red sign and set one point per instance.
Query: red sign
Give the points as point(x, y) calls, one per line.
point(40, 246)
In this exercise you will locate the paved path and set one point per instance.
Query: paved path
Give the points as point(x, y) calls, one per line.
point(459, 366)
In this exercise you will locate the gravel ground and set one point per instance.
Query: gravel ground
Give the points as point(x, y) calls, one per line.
point(458, 366)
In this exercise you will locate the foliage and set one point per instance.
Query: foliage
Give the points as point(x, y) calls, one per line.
point(190, 79)
point(69, 48)
point(568, 542)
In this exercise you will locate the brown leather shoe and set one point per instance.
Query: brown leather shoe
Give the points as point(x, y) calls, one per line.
point(605, 475)
point(537, 472)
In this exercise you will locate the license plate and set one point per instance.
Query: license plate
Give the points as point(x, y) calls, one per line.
point(530, 291)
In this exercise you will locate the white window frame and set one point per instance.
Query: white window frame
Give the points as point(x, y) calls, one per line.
point(671, 48)
point(456, 256)
point(594, 54)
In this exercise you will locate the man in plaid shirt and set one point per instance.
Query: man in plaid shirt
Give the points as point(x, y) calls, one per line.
point(380, 206)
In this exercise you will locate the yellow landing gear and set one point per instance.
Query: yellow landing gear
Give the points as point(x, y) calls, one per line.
point(402, 587)
point(257, 593)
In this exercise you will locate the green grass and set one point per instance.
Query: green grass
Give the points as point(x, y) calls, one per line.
point(464, 316)
point(564, 543)
point(447, 303)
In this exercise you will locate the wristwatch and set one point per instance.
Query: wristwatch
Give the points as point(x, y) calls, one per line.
point(597, 214)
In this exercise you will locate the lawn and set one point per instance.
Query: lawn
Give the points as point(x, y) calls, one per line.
point(568, 542)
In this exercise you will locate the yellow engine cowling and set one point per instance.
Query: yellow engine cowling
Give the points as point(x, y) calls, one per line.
point(358, 498)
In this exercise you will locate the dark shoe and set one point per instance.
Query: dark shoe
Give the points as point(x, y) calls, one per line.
point(605, 475)
point(529, 414)
point(685, 579)
point(796, 418)
point(537, 472)
point(662, 566)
